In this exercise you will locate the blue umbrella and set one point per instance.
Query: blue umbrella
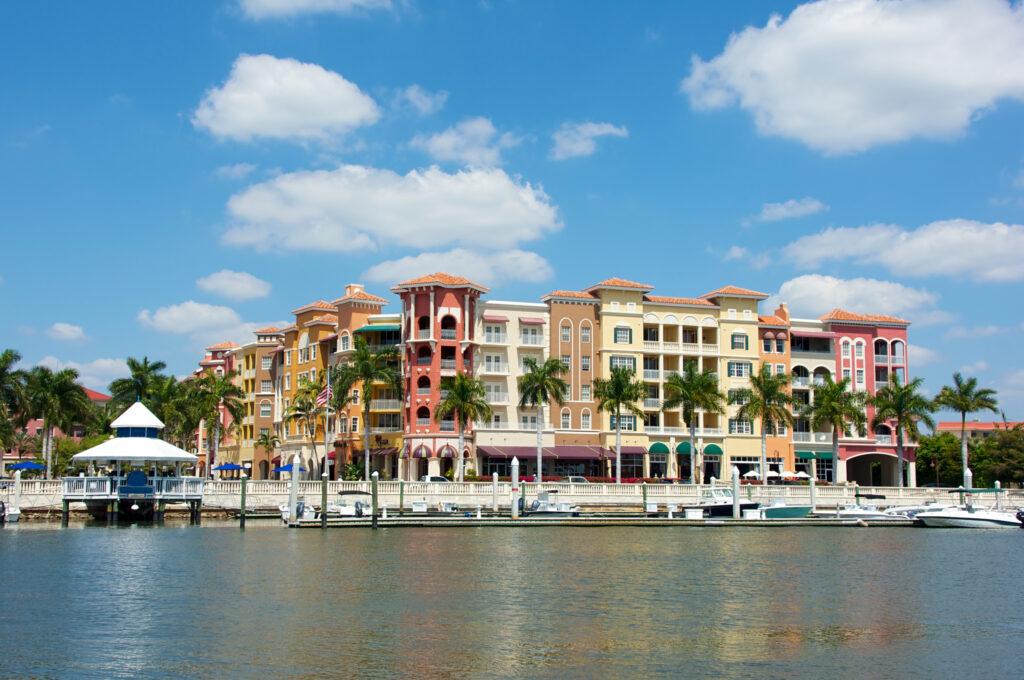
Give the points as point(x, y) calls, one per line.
point(26, 465)
point(229, 466)
point(288, 468)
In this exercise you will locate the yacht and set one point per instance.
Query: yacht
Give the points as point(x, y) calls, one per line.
point(717, 502)
point(545, 506)
point(969, 517)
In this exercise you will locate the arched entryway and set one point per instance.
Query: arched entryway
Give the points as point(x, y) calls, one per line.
point(872, 468)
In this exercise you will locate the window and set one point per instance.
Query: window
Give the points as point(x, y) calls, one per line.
point(746, 314)
point(739, 369)
point(623, 335)
point(266, 363)
point(824, 469)
point(767, 345)
point(846, 374)
point(619, 361)
point(355, 399)
point(735, 398)
point(628, 423)
point(780, 369)
point(288, 358)
point(585, 334)
point(780, 345)
point(859, 350)
point(288, 381)
point(528, 422)
point(355, 424)
point(342, 425)
point(264, 430)
point(739, 341)
point(312, 375)
point(732, 313)
point(266, 386)
point(630, 306)
point(566, 420)
point(344, 342)
point(585, 363)
point(585, 420)
point(566, 360)
point(846, 348)
point(585, 392)
point(264, 410)
point(615, 305)
point(312, 349)
point(860, 375)
point(566, 333)
point(530, 336)
point(737, 426)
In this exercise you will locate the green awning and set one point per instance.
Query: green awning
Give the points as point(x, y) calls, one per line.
point(380, 327)
point(683, 448)
point(820, 455)
point(713, 450)
point(658, 447)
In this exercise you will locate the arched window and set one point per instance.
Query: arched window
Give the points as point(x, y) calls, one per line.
point(422, 416)
point(423, 326)
point(423, 356)
point(448, 328)
point(846, 349)
point(423, 385)
point(565, 333)
point(585, 419)
point(566, 419)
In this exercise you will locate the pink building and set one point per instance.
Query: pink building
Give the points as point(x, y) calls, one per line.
point(221, 360)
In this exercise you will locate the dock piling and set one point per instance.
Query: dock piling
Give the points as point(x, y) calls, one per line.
point(373, 496)
point(515, 488)
point(241, 503)
point(736, 492)
point(323, 498)
point(401, 498)
point(65, 513)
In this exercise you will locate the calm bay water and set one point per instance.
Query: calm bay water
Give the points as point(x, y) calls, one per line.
point(214, 602)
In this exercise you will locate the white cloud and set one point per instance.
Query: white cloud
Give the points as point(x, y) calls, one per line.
point(577, 139)
point(974, 368)
point(276, 9)
point(980, 251)
point(482, 267)
point(284, 99)
point(96, 374)
point(774, 212)
point(921, 356)
point(236, 171)
point(814, 295)
point(975, 332)
point(474, 141)
point(357, 208)
point(424, 102)
point(739, 253)
point(204, 323)
point(65, 332)
point(736, 253)
point(844, 75)
point(234, 285)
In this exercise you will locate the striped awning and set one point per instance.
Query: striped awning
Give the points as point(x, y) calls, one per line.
point(447, 451)
point(421, 451)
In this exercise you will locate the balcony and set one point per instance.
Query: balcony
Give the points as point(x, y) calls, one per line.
point(447, 333)
point(448, 364)
point(385, 429)
point(885, 439)
point(495, 339)
point(881, 358)
point(683, 431)
point(650, 374)
point(423, 361)
point(386, 404)
point(447, 426)
point(423, 422)
point(652, 403)
point(670, 346)
point(812, 437)
point(818, 380)
point(898, 360)
point(709, 349)
point(423, 391)
point(801, 381)
point(422, 333)
point(531, 340)
point(652, 345)
point(497, 397)
point(495, 369)
point(503, 426)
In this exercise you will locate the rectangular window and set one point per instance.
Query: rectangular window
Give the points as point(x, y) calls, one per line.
point(266, 363)
point(566, 333)
point(846, 374)
point(288, 358)
point(528, 422)
point(739, 341)
point(630, 306)
point(628, 423)
point(780, 346)
point(355, 424)
point(846, 349)
point(344, 342)
point(585, 421)
point(585, 334)
point(858, 351)
point(566, 421)
point(615, 305)
point(585, 363)
point(732, 313)
point(264, 410)
point(355, 398)
point(623, 362)
point(737, 426)
point(585, 392)
point(287, 381)
point(312, 349)
point(746, 314)
point(860, 376)
point(780, 369)
point(767, 345)
point(565, 360)
point(735, 398)
point(312, 375)
point(266, 386)
point(622, 335)
point(342, 425)
point(739, 369)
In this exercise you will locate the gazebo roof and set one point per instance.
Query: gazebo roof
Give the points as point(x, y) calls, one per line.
point(137, 415)
point(136, 449)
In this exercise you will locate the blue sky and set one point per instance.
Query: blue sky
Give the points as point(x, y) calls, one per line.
point(175, 175)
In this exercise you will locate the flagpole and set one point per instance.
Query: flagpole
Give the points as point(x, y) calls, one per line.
point(327, 414)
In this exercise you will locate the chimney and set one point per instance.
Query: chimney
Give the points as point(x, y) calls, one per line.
point(353, 288)
point(783, 312)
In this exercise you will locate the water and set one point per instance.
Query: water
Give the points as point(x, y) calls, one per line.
point(213, 602)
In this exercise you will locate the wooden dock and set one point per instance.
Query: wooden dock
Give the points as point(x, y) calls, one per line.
point(603, 521)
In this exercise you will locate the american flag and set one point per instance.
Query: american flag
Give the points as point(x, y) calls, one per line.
point(324, 396)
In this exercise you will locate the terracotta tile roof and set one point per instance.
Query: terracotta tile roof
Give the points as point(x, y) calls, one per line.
point(362, 296)
point(734, 290)
point(620, 283)
point(570, 294)
point(319, 304)
point(224, 345)
point(954, 426)
point(442, 278)
point(771, 321)
point(678, 301)
point(293, 327)
point(843, 315)
point(95, 396)
point(323, 318)
point(268, 329)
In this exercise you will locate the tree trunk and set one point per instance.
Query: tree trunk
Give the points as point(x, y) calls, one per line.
point(693, 446)
point(462, 443)
point(835, 454)
point(46, 449)
point(366, 437)
point(899, 453)
point(963, 445)
point(540, 441)
point(618, 445)
point(764, 452)
point(216, 442)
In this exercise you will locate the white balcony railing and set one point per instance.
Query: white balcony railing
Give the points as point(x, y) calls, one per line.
point(387, 404)
point(884, 439)
point(652, 402)
point(422, 361)
point(447, 426)
point(497, 397)
point(423, 422)
point(709, 349)
point(447, 333)
point(652, 345)
point(495, 339)
point(801, 381)
point(506, 425)
point(650, 374)
point(531, 340)
point(422, 333)
point(495, 369)
point(385, 429)
point(448, 363)
point(898, 360)
point(812, 437)
point(881, 358)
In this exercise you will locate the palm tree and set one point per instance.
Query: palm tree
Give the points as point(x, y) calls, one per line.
point(12, 385)
point(834, 405)
point(143, 377)
point(368, 367)
point(907, 406)
point(23, 443)
point(57, 399)
point(218, 393)
point(466, 401)
point(541, 382)
point(268, 441)
point(620, 391)
point(964, 397)
point(766, 400)
point(693, 390)
point(184, 415)
point(304, 409)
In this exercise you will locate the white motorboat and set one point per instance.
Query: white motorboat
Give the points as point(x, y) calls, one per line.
point(865, 512)
point(913, 511)
point(969, 517)
point(341, 508)
point(717, 502)
point(545, 506)
point(302, 511)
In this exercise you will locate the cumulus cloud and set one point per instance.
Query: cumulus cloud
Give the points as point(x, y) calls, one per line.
point(577, 139)
point(813, 295)
point(975, 332)
point(65, 332)
point(474, 141)
point(974, 368)
point(424, 102)
point(980, 251)
point(234, 285)
point(203, 322)
point(921, 356)
point(842, 76)
point(740, 254)
point(96, 374)
point(283, 99)
point(357, 208)
point(486, 268)
point(775, 212)
point(236, 171)
point(278, 9)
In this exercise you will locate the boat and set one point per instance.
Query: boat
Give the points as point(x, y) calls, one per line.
point(545, 506)
point(970, 517)
point(342, 509)
point(854, 511)
point(717, 501)
point(779, 510)
point(303, 511)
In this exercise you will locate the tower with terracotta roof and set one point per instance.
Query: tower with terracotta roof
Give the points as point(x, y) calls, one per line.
point(438, 314)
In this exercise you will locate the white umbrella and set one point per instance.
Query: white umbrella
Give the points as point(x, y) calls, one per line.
point(753, 474)
point(788, 474)
point(802, 475)
point(772, 473)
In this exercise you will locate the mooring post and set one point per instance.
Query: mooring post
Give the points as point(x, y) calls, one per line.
point(65, 513)
point(113, 515)
point(812, 495)
point(515, 488)
point(241, 503)
point(643, 487)
point(494, 492)
point(323, 500)
point(735, 492)
point(158, 512)
point(373, 497)
point(401, 497)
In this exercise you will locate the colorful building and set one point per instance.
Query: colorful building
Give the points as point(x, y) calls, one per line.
point(255, 361)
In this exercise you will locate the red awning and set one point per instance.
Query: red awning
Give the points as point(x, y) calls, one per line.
point(276, 460)
point(329, 337)
point(532, 320)
point(630, 451)
point(275, 351)
point(495, 318)
point(812, 334)
point(330, 456)
point(559, 452)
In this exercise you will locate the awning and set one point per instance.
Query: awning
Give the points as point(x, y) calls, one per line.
point(379, 327)
point(328, 338)
point(447, 451)
point(683, 448)
point(812, 334)
point(575, 452)
point(276, 460)
point(421, 451)
point(820, 455)
point(659, 447)
point(532, 320)
point(494, 318)
point(275, 351)
point(631, 451)
point(713, 450)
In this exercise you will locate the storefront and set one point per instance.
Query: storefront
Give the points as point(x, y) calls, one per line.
point(558, 461)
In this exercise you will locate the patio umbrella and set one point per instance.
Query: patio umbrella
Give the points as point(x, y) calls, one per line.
point(802, 475)
point(26, 465)
point(753, 474)
point(288, 468)
point(788, 474)
point(772, 473)
point(229, 466)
